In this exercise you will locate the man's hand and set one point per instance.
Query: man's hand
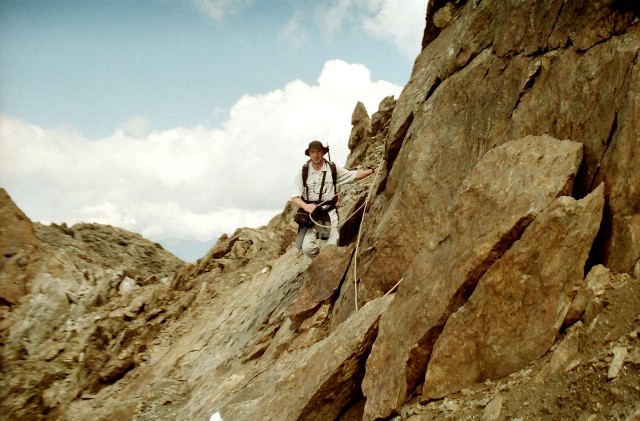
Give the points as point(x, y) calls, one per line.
point(309, 207)
point(360, 174)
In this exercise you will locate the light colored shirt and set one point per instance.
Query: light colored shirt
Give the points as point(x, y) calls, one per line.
point(314, 181)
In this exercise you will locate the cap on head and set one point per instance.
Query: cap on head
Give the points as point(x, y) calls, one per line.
point(316, 144)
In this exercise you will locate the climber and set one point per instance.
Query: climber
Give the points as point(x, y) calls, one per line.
point(316, 195)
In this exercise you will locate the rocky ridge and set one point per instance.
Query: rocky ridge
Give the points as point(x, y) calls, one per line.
point(496, 275)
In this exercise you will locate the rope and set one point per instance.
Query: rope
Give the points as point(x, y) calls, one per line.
point(394, 287)
point(352, 213)
point(340, 223)
point(355, 257)
point(364, 212)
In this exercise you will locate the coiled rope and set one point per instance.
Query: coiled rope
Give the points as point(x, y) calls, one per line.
point(353, 213)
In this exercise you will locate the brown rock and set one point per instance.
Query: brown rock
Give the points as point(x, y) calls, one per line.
point(495, 204)
point(313, 329)
point(492, 410)
point(316, 383)
point(18, 246)
point(498, 72)
point(611, 143)
point(593, 310)
point(361, 126)
point(563, 354)
point(619, 354)
point(359, 139)
point(381, 118)
point(325, 274)
point(594, 285)
point(368, 133)
point(520, 303)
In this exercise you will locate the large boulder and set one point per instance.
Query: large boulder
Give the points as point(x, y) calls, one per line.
point(18, 246)
point(317, 383)
point(502, 195)
point(493, 72)
point(519, 305)
point(326, 272)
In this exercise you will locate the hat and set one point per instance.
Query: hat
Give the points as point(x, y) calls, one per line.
point(316, 144)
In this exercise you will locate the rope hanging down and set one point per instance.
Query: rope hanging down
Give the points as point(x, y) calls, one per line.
point(364, 212)
point(355, 257)
point(353, 185)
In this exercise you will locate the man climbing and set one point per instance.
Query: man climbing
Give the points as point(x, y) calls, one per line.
point(317, 196)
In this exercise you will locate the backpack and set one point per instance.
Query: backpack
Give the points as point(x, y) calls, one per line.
point(334, 176)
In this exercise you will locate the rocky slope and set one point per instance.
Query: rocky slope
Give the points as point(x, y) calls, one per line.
point(494, 274)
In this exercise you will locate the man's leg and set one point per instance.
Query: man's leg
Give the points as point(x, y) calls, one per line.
point(334, 233)
point(310, 243)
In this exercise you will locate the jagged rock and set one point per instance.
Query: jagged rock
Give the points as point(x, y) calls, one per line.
point(367, 134)
point(520, 302)
point(381, 118)
point(246, 323)
point(594, 285)
point(491, 212)
point(611, 143)
point(17, 251)
point(619, 354)
point(48, 308)
point(315, 383)
point(312, 330)
point(490, 77)
point(361, 127)
point(563, 354)
point(325, 275)
point(220, 336)
point(62, 338)
point(492, 410)
point(127, 285)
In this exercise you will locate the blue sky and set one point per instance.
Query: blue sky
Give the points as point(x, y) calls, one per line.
point(165, 117)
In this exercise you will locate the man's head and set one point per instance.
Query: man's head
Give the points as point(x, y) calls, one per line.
point(316, 151)
point(316, 144)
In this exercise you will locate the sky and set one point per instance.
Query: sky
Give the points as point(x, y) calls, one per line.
point(182, 120)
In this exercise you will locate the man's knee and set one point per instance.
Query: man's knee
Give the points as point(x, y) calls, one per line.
point(310, 248)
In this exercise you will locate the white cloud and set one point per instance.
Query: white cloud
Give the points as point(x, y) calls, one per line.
point(186, 183)
point(137, 126)
point(295, 32)
point(399, 22)
point(218, 9)
point(331, 16)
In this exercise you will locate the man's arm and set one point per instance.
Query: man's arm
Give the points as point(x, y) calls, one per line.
point(360, 174)
point(309, 207)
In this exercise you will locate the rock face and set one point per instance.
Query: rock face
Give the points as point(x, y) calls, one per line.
point(515, 313)
point(76, 328)
point(325, 276)
point(496, 72)
point(508, 170)
point(499, 199)
point(18, 250)
point(308, 389)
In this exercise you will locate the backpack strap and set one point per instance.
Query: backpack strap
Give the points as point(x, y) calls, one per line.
point(305, 174)
point(334, 177)
point(324, 176)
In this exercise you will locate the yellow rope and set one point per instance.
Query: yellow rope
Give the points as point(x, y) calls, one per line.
point(355, 257)
point(352, 213)
point(364, 212)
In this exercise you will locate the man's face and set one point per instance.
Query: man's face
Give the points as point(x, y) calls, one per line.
point(316, 155)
